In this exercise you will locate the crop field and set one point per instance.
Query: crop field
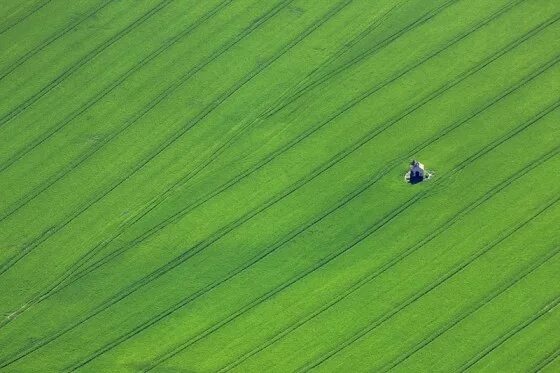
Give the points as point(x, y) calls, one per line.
point(218, 185)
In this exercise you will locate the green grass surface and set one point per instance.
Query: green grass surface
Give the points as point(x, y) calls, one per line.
point(218, 185)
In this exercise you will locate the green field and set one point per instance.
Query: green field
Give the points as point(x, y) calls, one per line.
point(216, 185)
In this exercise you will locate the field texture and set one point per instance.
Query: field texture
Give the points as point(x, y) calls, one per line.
point(216, 185)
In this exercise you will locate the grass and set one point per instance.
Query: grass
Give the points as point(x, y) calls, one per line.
point(218, 185)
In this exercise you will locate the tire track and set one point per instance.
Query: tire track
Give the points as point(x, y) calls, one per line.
point(342, 50)
point(49, 41)
point(46, 234)
point(346, 46)
point(307, 134)
point(427, 290)
point(261, 256)
point(493, 295)
point(397, 211)
point(399, 258)
point(116, 83)
point(106, 242)
point(121, 295)
point(299, 38)
point(143, 112)
point(273, 292)
point(372, 51)
point(107, 90)
point(339, 52)
point(267, 160)
point(213, 156)
point(547, 361)
point(373, 229)
point(335, 10)
point(35, 10)
point(522, 82)
point(283, 102)
point(164, 196)
point(22, 201)
point(76, 66)
point(275, 247)
point(517, 329)
point(11, 161)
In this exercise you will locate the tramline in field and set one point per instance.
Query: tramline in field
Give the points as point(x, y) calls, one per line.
point(291, 185)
